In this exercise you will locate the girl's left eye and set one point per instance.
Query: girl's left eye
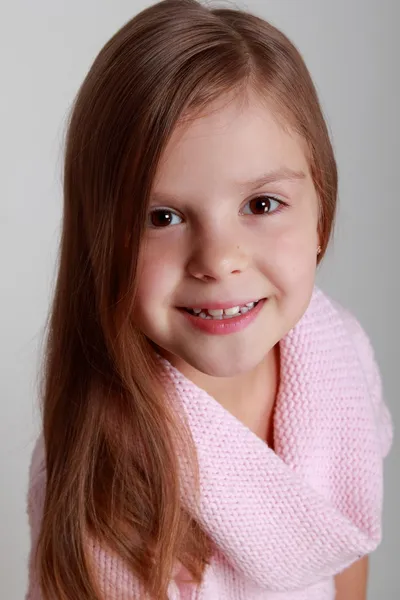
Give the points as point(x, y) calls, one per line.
point(263, 205)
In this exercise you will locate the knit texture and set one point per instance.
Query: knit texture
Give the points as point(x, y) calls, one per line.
point(284, 521)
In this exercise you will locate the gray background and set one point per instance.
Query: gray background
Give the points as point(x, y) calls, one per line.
point(352, 49)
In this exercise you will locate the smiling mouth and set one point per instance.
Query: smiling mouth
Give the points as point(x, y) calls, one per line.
point(222, 314)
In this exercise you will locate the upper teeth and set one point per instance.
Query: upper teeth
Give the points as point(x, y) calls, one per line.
point(229, 312)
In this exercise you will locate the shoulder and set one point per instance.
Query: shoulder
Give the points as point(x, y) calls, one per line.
point(328, 308)
point(114, 577)
point(361, 342)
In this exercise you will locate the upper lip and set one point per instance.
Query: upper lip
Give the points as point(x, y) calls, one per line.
point(221, 305)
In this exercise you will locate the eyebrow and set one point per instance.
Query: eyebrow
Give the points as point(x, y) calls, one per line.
point(281, 174)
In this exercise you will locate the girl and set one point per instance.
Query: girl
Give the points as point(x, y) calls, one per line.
point(213, 425)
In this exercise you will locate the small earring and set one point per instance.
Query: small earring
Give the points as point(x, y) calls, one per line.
point(319, 250)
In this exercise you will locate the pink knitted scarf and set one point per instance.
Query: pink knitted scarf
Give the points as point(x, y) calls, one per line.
point(293, 517)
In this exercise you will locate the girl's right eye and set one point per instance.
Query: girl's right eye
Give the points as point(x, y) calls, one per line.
point(163, 217)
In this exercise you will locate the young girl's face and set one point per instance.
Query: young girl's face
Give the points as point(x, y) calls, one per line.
point(233, 220)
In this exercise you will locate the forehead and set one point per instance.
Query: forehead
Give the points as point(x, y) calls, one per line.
point(230, 142)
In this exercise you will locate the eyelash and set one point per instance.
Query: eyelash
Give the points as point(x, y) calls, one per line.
point(282, 206)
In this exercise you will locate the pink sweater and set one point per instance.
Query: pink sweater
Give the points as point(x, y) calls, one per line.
point(284, 521)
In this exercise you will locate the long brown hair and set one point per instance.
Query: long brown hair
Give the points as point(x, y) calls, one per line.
point(111, 436)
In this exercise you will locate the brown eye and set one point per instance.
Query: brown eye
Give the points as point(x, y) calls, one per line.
point(163, 218)
point(262, 205)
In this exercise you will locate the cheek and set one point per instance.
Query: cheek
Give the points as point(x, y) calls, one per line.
point(290, 265)
point(289, 255)
point(157, 275)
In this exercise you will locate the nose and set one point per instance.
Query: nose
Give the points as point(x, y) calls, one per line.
point(215, 259)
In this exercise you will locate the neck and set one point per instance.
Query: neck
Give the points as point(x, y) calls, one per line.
point(248, 396)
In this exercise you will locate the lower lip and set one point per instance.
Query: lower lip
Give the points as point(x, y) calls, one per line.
point(224, 326)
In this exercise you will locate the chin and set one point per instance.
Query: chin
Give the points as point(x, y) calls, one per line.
point(221, 364)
